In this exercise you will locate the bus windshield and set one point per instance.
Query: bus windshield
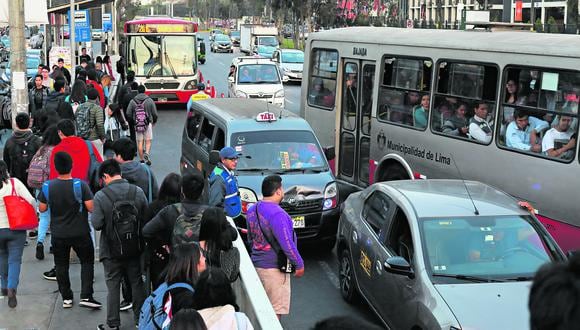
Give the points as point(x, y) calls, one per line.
point(277, 150)
point(160, 56)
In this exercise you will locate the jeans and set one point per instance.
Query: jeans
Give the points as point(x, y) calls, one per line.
point(83, 246)
point(115, 269)
point(44, 221)
point(11, 247)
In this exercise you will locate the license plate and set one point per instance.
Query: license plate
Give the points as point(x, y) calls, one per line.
point(162, 99)
point(298, 222)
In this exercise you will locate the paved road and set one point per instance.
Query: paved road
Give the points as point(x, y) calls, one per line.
point(314, 297)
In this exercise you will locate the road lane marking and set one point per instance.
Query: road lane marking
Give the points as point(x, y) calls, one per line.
point(330, 274)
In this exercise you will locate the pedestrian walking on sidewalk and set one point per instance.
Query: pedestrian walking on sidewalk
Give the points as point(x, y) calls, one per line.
point(11, 241)
point(119, 211)
point(70, 200)
point(143, 111)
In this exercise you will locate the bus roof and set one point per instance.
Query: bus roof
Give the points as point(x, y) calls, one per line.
point(499, 41)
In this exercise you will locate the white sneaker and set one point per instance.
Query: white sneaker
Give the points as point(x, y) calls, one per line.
point(67, 303)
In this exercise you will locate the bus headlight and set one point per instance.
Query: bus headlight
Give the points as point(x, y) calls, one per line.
point(330, 197)
point(279, 93)
point(248, 199)
point(192, 84)
point(241, 94)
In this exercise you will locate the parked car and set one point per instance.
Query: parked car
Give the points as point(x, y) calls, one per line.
point(291, 63)
point(221, 43)
point(421, 252)
point(32, 63)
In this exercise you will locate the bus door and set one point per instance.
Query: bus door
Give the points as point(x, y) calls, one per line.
point(358, 79)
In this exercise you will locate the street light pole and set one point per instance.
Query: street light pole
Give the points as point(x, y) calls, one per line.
point(17, 59)
point(72, 40)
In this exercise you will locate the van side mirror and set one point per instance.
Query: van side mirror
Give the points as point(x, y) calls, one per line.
point(329, 153)
point(398, 265)
point(214, 157)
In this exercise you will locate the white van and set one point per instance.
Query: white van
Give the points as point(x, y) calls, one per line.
point(256, 78)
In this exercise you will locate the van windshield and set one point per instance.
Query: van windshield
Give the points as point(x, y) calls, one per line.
point(277, 151)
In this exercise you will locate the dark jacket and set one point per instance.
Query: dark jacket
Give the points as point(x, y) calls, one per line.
point(32, 108)
point(103, 212)
point(66, 74)
point(121, 92)
point(97, 120)
point(135, 173)
point(17, 166)
point(150, 107)
point(56, 102)
point(125, 101)
point(161, 226)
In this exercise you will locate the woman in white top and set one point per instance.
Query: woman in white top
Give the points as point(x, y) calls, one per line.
point(11, 241)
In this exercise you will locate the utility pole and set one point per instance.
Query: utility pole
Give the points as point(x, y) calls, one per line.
point(72, 40)
point(17, 59)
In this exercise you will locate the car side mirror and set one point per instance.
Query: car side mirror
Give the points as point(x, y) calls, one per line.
point(231, 80)
point(399, 266)
point(285, 79)
point(214, 157)
point(329, 153)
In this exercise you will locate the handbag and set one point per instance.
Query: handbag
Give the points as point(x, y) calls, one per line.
point(284, 264)
point(21, 214)
point(230, 263)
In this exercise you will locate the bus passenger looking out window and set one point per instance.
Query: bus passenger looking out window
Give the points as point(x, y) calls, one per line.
point(523, 132)
point(511, 96)
point(320, 95)
point(322, 86)
point(481, 125)
point(421, 112)
point(560, 141)
point(458, 124)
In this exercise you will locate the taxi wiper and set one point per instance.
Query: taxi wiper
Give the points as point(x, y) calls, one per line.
point(519, 278)
point(468, 278)
point(253, 169)
point(303, 170)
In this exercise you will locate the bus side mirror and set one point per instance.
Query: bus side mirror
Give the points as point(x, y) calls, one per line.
point(329, 153)
point(214, 157)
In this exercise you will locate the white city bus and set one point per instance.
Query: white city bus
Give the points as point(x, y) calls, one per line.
point(392, 100)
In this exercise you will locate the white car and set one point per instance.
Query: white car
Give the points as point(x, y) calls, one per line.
point(256, 78)
point(291, 62)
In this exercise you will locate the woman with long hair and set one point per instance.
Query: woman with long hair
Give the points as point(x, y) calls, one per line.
point(169, 193)
point(11, 241)
point(115, 127)
point(185, 265)
point(216, 236)
point(78, 94)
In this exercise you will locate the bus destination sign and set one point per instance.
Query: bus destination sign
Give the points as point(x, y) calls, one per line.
point(161, 28)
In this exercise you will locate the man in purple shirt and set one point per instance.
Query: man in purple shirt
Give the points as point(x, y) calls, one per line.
point(276, 224)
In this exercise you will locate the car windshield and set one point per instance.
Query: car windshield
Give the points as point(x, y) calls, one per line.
point(292, 57)
point(277, 150)
point(268, 41)
point(258, 74)
point(501, 248)
point(221, 37)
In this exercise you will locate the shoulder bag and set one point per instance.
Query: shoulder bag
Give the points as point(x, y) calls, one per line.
point(284, 264)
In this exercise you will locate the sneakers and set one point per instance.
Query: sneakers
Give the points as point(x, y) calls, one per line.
point(12, 302)
point(147, 159)
point(104, 327)
point(67, 303)
point(40, 251)
point(50, 275)
point(125, 305)
point(90, 303)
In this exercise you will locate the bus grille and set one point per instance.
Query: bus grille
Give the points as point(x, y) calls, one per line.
point(158, 85)
point(264, 96)
point(301, 207)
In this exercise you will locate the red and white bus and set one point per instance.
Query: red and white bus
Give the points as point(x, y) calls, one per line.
point(163, 54)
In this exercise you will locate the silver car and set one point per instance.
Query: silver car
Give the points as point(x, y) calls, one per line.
point(441, 254)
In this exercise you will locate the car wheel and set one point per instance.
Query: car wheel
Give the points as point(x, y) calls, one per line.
point(346, 279)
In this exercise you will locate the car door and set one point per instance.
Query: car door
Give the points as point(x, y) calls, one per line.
point(375, 213)
point(392, 295)
point(190, 151)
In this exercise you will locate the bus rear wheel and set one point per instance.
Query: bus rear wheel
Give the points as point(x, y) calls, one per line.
point(393, 172)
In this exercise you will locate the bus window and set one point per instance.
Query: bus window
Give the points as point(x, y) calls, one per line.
point(539, 111)
point(465, 101)
point(404, 92)
point(322, 84)
point(350, 96)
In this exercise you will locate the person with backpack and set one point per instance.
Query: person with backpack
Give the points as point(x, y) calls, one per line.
point(95, 122)
point(78, 95)
point(69, 200)
point(176, 292)
point(93, 80)
point(37, 97)
point(133, 171)
point(119, 211)
point(38, 173)
point(125, 88)
point(56, 101)
point(20, 148)
point(143, 111)
point(116, 127)
point(179, 223)
point(125, 101)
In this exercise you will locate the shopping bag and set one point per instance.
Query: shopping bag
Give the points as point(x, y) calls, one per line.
point(21, 214)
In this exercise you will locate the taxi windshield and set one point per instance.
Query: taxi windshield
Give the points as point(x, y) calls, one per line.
point(258, 74)
point(500, 248)
point(277, 151)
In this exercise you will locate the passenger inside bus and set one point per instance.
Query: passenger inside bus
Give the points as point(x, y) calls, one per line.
point(421, 112)
point(458, 124)
point(560, 141)
point(524, 132)
point(481, 124)
point(320, 95)
point(441, 114)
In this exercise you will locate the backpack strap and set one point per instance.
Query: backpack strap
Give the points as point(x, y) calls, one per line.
point(91, 153)
point(149, 179)
point(78, 192)
point(180, 285)
point(13, 187)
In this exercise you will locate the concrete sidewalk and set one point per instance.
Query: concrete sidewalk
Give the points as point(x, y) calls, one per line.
point(40, 304)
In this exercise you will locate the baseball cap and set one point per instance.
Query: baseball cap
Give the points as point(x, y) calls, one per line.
point(228, 152)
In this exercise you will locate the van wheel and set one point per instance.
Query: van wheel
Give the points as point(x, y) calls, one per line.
point(346, 279)
point(393, 173)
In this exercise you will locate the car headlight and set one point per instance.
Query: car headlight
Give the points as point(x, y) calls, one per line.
point(279, 93)
point(330, 197)
point(241, 94)
point(192, 84)
point(248, 199)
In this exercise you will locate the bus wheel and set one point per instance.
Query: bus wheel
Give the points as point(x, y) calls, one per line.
point(393, 172)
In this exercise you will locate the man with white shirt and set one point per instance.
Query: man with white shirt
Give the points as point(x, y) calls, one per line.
point(558, 141)
point(481, 127)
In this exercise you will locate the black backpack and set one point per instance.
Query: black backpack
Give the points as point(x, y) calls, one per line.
point(20, 157)
point(53, 103)
point(186, 229)
point(123, 233)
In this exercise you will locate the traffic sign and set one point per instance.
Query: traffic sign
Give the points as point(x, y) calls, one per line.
point(82, 26)
point(107, 22)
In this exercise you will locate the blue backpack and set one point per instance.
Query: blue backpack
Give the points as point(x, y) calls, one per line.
point(76, 190)
point(152, 314)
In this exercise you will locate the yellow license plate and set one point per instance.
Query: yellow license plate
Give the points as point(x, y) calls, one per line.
point(298, 222)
